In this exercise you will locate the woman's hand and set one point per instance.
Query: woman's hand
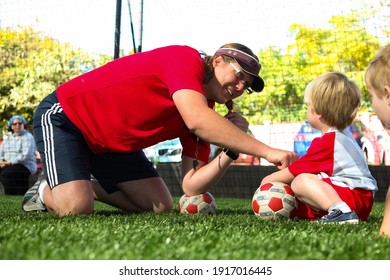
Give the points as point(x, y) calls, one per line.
point(281, 158)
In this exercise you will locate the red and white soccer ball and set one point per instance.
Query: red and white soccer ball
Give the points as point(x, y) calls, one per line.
point(274, 200)
point(198, 204)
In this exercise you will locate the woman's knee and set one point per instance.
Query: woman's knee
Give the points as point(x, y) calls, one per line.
point(150, 194)
point(73, 198)
point(83, 208)
point(164, 205)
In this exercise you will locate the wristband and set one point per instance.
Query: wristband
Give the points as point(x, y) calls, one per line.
point(230, 154)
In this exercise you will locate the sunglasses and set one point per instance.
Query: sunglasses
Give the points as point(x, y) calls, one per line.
point(17, 123)
point(241, 77)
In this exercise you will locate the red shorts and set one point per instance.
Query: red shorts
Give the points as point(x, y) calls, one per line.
point(358, 200)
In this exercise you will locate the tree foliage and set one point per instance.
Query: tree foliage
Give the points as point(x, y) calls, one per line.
point(32, 65)
point(342, 45)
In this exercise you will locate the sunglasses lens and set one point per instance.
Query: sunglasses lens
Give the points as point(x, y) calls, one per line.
point(240, 75)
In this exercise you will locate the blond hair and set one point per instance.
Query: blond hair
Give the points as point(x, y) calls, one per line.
point(335, 98)
point(377, 75)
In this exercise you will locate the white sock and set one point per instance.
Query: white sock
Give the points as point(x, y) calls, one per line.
point(341, 205)
point(41, 188)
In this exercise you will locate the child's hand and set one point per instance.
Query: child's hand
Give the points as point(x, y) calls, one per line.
point(238, 120)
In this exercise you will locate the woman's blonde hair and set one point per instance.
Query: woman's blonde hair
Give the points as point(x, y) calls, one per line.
point(334, 97)
point(377, 75)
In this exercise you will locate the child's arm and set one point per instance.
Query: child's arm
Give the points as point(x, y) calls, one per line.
point(385, 227)
point(283, 175)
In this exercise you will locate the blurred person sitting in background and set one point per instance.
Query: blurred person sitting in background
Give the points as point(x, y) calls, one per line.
point(17, 157)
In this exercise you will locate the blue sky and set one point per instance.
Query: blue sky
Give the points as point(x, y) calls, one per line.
point(203, 24)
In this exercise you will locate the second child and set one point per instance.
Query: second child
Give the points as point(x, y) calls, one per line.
point(377, 78)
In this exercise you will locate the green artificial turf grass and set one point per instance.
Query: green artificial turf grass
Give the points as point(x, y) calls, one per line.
point(234, 233)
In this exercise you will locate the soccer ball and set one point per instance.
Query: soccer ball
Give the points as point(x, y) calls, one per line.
point(198, 204)
point(274, 200)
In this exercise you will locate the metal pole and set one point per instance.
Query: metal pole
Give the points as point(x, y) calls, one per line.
point(131, 26)
point(141, 26)
point(117, 28)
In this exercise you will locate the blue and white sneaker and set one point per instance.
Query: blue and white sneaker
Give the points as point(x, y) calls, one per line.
point(31, 200)
point(336, 216)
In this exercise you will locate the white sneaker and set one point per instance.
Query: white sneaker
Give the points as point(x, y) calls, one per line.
point(31, 200)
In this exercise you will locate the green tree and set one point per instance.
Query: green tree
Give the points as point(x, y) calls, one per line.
point(343, 45)
point(32, 65)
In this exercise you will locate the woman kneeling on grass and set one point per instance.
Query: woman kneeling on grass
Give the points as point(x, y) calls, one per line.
point(98, 123)
point(331, 181)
